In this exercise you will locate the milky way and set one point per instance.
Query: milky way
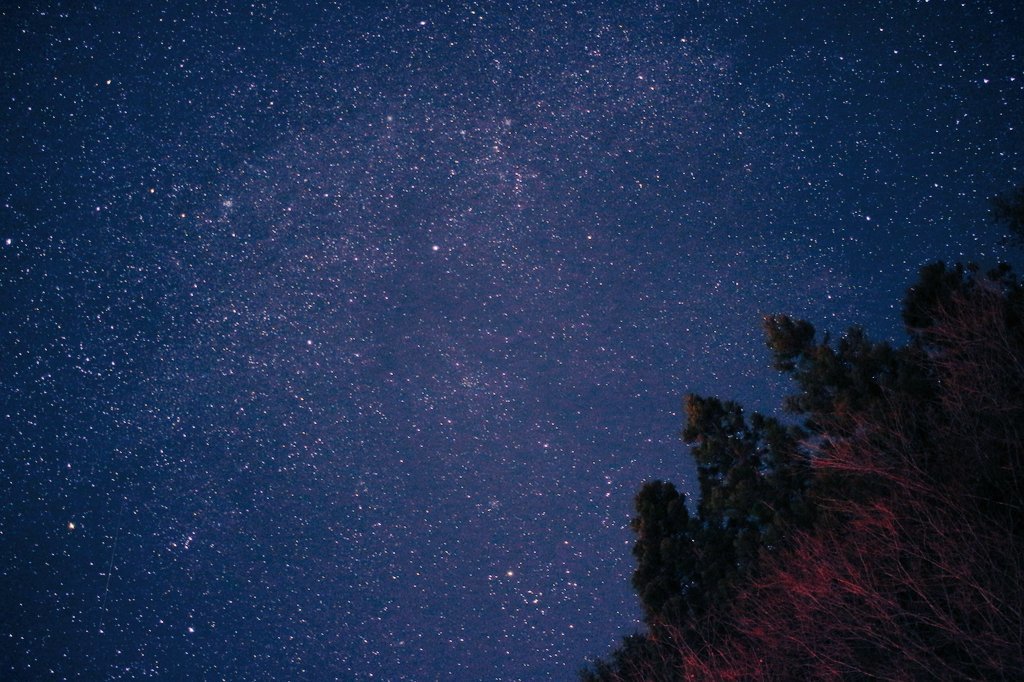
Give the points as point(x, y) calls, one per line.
point(338, 340)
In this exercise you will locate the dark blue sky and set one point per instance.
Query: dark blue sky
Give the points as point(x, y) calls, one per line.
point(338, 337)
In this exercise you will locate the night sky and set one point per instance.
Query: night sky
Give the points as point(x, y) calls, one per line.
point(338, 337)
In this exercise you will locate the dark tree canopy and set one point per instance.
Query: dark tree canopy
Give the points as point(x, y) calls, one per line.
point(664, 551)
point(882, 537)
point(753, 485)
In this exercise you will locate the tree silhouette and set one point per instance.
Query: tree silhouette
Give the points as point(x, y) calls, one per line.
point(883, 538)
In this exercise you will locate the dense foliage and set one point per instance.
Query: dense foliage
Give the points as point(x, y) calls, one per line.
point(882, 538)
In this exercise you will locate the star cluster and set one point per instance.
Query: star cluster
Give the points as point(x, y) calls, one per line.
point(338, 337)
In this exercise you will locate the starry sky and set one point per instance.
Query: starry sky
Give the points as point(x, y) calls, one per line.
point(338, 337)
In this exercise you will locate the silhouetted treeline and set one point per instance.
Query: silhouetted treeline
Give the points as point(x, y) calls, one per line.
point(883, 537)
